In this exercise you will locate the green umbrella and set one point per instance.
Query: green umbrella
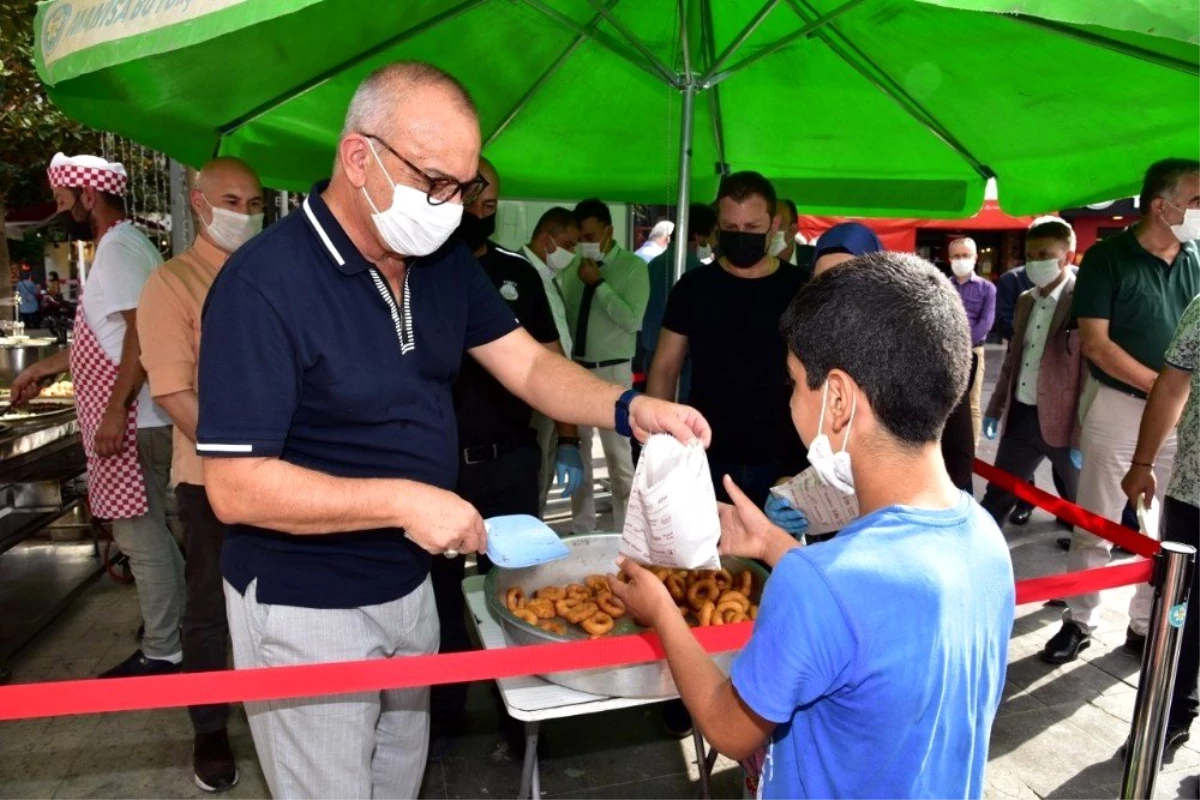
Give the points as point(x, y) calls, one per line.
point(870, 107)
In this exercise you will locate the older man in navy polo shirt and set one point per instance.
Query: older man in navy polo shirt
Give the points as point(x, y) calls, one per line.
point(330, 344)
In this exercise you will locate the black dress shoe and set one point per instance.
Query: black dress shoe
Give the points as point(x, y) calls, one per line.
point(213, 763)
point(1021, 514)
point(1065, 645)
point(1135, 642)
point(1064, 542)
point(139, 665)
point(1176, 735)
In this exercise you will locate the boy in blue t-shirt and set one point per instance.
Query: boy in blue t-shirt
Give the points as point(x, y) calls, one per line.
point(878, 657)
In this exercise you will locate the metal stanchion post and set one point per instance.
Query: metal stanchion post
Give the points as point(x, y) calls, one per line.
point(1173, 570)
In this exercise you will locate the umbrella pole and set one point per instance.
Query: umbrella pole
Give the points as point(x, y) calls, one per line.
point(685, 164)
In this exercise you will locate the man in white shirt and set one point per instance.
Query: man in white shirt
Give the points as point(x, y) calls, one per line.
point(785, 240)
point(127, 438)
point(657, 242)
point(551, 249)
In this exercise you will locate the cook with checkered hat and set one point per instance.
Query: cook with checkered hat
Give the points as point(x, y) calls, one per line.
point(126, 437)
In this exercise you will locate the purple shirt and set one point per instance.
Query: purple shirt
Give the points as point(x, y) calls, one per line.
point(979, 300)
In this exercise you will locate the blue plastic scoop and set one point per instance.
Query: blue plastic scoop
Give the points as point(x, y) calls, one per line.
point(521, 540)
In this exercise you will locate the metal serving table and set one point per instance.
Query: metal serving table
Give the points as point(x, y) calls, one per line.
point(531, 699)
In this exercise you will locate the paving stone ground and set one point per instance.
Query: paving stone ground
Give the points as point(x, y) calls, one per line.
point(1057, 734)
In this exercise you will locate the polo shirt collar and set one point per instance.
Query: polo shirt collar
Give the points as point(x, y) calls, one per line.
point(1135, 247)
point(330, 234)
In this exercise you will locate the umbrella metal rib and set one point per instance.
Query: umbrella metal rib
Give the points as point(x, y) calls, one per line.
point(1163, 60)
point(637, 43)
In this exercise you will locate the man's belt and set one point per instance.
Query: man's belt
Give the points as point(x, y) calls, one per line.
point(482, 453)
point(612, 362)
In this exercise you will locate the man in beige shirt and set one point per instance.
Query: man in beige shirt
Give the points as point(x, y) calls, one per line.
point(228, 203)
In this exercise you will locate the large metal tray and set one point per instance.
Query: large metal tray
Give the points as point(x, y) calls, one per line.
point(591, 554)
point(39, 411)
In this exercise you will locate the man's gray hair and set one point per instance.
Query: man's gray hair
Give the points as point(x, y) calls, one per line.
point(375, 99)
point(1050, 223)
point(966, 240)
point(662, 229)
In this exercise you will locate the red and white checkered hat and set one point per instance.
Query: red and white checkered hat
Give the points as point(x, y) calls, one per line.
point(72, 171)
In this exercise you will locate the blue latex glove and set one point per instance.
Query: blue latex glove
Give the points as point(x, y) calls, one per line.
point(568, 468)
point(991, 426)
point(782, 514)
point(1077, 458)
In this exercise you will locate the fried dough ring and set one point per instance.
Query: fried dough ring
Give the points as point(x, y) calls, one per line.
point(598, 624)
point(747, 582)
point(564, 606)
point(662, 573)
point(543, 608)
point(705, 615)
point(553, 626)
point(514, 598)
point(597, 583)
point(731, 615)
point(525, 615)
point(610, 605)
point(734, 598)
point(677, 586)
point(753, 612)
point(585, 610)
point(552, 593)
point(577, 591)
point(723, 579)
point(702, 591)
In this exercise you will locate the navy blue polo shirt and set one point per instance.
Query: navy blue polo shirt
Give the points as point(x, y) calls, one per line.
point(306, 356)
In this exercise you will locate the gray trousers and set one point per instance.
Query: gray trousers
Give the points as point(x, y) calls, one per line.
point(363, 745)
point(154, 556)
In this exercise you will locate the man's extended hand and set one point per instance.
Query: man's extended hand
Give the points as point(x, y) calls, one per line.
point(645, 596)
point(649, 415)
point(439, 521)
point(27, 385)
point(110, 435)
point(589, 273)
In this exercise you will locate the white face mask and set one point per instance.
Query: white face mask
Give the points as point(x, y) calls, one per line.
point(411, 226)
point(778, 244)
point(825, 491)
point(591, 250)
point(559, 259)
point(1043, 273)
point(1189, 229)
point(962, 267)
point(704, 252)
point(229, 229)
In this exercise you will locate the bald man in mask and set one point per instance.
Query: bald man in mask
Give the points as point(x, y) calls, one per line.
point(228, 204)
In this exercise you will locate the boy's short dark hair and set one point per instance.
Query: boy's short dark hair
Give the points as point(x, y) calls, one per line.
point(702, 220)
point(741, 186)
point(895, 325)
point(593, 208)
point(555, 221)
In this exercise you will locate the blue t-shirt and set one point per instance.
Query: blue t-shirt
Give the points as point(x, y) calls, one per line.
point(880, 656)
point(27, 293)
point(307, 356)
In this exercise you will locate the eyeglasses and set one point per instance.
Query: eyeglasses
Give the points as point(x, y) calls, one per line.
point(439, 191)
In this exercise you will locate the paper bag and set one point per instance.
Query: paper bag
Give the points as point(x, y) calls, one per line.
point(672, 520)
point(827, 508)
point(1148, 517)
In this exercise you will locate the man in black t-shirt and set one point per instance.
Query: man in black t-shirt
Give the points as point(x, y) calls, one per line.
point(726, 318)
point(499, 457)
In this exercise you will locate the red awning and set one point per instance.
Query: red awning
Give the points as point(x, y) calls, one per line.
point(901, 234)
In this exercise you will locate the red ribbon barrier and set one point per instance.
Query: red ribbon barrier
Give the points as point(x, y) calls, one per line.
point(61, 698)
point(1132, 541)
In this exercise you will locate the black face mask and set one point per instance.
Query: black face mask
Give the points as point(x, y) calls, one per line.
point(73, 228)
point(741, 249)
point(476, 231)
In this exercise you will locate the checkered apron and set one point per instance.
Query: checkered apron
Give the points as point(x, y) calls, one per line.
point(116, 489)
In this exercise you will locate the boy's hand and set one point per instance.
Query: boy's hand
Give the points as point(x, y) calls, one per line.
point(744, 527)
point(644, 596)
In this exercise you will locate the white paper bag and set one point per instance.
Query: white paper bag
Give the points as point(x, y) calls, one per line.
point(672, 520)
point(827, 508)
point(1148, 517)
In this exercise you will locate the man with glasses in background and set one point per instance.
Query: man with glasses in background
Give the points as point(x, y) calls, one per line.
point(329, 347)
